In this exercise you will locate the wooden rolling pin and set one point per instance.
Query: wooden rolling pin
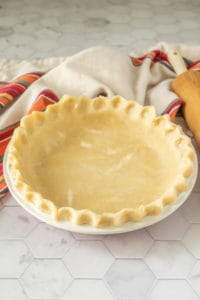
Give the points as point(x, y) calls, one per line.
point(187, 86)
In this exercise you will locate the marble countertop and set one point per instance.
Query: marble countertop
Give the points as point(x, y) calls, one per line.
point(40, 262)
point(44, 28)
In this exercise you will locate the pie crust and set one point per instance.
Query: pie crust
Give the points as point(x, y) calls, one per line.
point(99, 161)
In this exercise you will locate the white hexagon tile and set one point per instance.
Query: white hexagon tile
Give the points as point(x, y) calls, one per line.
point(191, 241)
point(171, 289)
point(190, 210)
point(129, 245)
point(15, 222)
point(12, 289)
point(8, 200)
point(194, 278)
point(54, 245)
point(45, 279)
point(88, 259)
point(130, 279)
point(169, 259)
point(15, 257)
point(40, 262)
point(172, 228)
point(88, 289)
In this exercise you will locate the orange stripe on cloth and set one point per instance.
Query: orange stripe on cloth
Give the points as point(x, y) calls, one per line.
point(12, 90)
point(8, 96)
point(195, 66)
point(29, 77)
point(4, 101)
point(2, 185)
point(41, 103)
point(3, 145)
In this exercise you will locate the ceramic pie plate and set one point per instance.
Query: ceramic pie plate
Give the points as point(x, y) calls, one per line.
point(87, 229)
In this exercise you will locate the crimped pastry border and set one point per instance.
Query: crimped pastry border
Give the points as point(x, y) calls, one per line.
point(173, 134)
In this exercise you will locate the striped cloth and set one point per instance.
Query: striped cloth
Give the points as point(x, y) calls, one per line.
point(10, 93)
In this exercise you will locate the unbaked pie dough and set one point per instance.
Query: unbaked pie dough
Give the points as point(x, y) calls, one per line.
point(99, 161)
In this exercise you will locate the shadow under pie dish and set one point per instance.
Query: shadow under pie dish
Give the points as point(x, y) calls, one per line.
point(101, 161)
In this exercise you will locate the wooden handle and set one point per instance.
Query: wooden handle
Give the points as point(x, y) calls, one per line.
point(177, 61)
point(187, 87)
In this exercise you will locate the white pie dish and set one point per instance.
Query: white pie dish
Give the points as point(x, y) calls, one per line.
point(88, 229)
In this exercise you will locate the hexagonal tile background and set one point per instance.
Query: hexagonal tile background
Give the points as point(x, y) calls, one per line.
point(169, 259)
point(163, 230)
point(12, 289)
point(14, 258)
point(68, 27)
point(190, 209)
point(171, 289)
point(15, 222)
point(191, 241)
point(88, 289)
point(46, 279)
point(194, 278)
point(41, 262)
point(88, 259)
point(132, 244)
point(54, 245)
point(129, 279)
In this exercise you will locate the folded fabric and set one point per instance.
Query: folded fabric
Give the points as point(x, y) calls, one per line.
point(92, 72)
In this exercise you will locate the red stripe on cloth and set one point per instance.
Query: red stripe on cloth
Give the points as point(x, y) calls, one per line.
point(1, 169)
point(45, 98)
point(13, 89)
point(177, 102)
point(3, 145)
point(195, 65)
point(155, 56)
point(49, 94)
